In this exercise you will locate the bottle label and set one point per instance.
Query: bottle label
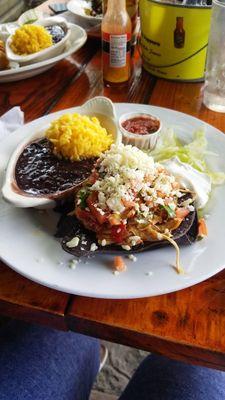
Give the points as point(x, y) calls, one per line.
point(116, 48)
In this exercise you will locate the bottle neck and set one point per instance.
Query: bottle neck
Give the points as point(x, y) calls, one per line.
point(179, 24)
point(116, 5)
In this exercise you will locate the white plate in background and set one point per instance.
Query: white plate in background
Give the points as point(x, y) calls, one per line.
point(77, 7)
point(76, 40)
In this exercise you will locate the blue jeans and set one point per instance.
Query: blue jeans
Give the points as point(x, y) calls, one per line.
point(158, 378)
point(38, 363)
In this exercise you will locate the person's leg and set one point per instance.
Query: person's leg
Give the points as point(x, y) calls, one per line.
point(39, 363)
point(158, 378)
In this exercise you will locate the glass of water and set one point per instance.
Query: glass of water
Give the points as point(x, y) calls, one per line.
point(214, 89)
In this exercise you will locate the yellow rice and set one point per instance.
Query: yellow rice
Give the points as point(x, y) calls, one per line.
point(30, 39)
point(76, 136)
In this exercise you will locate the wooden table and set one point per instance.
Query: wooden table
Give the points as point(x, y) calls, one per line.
point(188, 325)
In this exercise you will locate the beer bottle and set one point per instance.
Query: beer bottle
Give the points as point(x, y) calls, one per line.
point(179, 33)
point(116, 37)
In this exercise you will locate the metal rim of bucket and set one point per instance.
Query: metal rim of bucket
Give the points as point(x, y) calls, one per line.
point(165, 3)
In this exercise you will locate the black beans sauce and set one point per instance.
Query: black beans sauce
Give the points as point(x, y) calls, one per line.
point(56, 31)
point(40, 172)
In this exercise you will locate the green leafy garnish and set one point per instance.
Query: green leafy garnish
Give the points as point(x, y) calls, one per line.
point(83, 195)
point(169, 211)
point(30, 21)
point(193, 153)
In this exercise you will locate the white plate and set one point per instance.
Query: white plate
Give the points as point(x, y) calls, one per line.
point(77, 7)
point(76, 40)
point(27, 243)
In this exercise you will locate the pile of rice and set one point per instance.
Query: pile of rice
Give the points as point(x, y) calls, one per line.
point(30, 39)
point(76, 136)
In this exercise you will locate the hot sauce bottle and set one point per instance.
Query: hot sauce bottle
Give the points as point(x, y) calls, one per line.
point(116, 38)
point(179, 33)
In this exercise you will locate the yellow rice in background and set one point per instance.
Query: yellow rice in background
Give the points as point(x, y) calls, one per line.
point(76, 136)
point(30, 39)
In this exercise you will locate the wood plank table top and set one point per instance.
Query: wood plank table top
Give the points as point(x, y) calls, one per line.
point(188, 325)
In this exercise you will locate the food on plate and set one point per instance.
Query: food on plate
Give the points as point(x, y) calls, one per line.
point(140, 129)
point(4, 62)
point(191, 179)
point(76, 136)
point(131, 202)
point(119, 264)
point(202, 228)
point(56, 31)
point(94, 8)
point(40, 172)
point(141, 125)
point(29, 39)
point(193, 153)
point(63, 158)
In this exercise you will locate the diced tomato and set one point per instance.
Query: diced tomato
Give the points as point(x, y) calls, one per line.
point(119, 264)
point(202, 228)
point(128, 203)
point(114, 219)
point(93, 177)
point(82, 214)
point(182, 212)
point(87, 219)
point(91, 201)
point(119, 232)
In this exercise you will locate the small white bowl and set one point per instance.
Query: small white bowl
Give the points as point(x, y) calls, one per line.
point(41, 55)
point(100, 107)
point(142, 141)
point(77, 7)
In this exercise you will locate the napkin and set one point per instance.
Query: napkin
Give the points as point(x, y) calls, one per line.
point(11, 121)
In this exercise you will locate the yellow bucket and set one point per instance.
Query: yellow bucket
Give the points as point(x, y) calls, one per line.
point(174, 39)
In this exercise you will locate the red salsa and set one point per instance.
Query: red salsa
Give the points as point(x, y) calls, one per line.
point(141, 125)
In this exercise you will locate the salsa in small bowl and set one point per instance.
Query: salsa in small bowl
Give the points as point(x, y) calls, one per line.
point(140, 129)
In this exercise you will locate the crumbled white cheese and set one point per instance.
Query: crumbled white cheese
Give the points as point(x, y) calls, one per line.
point(73, 242)
point(126, 247)
point(73, 263)
point(103, 242)
point(132, 257)
point(93, 247)
point(133, 240)
point(116, 272)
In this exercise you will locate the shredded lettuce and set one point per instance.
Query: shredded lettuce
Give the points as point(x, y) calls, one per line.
point(193, 153)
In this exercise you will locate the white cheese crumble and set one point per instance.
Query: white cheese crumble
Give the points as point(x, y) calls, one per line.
point(116, 272)
point(132, 257)
point(73, 264)
point(126, 247)
point(124, 171)
point(73, 242)
point(93, 247)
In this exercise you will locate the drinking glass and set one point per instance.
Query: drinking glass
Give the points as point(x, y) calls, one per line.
point(214, 90)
